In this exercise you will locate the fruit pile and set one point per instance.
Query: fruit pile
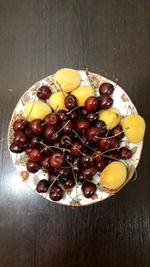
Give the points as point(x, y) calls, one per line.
point(75, 136)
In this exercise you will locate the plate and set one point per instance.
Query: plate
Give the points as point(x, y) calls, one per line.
point(74, 197)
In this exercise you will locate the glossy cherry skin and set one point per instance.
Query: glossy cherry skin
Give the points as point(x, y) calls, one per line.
point(91, 117)
point(46, 151)
point(105, 101)
point(21, 138)
point(125, 153)
point(69, 183)
point(105, 144)
point(88, 189)
point(70, 102)
point(68, 157)
point(83, 112)
point(42, 186)
point(97, 157)
point(117, 131)
point(92, 134)
point(46, 165)
point(35, 155)
point(56, 159)
point(63, 115)
point(56, 193)
point(115, 143)
point(101, 125)
point(32, 167)
point(76, 148)
point(82, 126)
point(67, 127)
point(53, 177)
point(19, 125)
point(15, 148)
point(44, 92)
point(51, 119)
point(86, 161)
point(81, 178)
point(35, 126)
point(65, 141)
point(28, 150)
point(106, 88)
point(49, 130)
point(91, 103)
point(101, 165)
point(113, 155)
point(74, 115)
point(35, 142)
point(88, 173)
point(65, 172)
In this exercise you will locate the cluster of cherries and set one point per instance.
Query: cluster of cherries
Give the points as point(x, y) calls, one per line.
point(71, 146)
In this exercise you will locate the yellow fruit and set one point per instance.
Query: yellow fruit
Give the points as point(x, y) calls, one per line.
point(36, 110)
point(134, 128)
point(68, 79)
point(56, 101)
point(82, 93)
point(111, 117)
point(114, 175)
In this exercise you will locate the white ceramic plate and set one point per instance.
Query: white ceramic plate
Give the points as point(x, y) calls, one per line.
point(73, 197)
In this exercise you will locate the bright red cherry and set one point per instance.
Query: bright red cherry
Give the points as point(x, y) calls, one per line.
point(51, 119)
point(76, 148)
point(91, 103)
point(70, 102)
point(35, 126)
point(57, 159)
point(44, 92)
point(56, 193)
point(88, 189)
point(42, 186)
point(35, 155)
point(125, 153)
point(106, 88)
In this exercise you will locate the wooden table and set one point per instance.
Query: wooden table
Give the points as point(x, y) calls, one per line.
point(36, 39)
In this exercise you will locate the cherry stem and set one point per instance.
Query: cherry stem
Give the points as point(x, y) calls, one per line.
point(109, 137)
point(82, 140)
point(99, 154)
point(54, 181)
point(59, 86)
point(62, 127)
point(72, 110)
point(61, 148)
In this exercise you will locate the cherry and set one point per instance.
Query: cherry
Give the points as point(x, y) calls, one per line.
point(86, 161)
point(56, 193)
point(56, 159)
point(46, 165)
point(84, 112)
point(82, 126)
point(105, 144)
point(35, 126)
point(46, 151)
point(51, 119)
point(101, 125)
point(76, 148)
point(125, 153)
point(32, 167)
point(117, 131)
point(91, 103)
point(53, 177)
point(15, 148)
point(54, 137)
point(42, 186)
point(92, 134)
point(19, 125)
point(44, 92)
point(63, 115)
point(106, 88)
point(69, 183)
point(35, 142)
point(88, 173)
point(74, 115)
point(113, 155)
point(81, 178)
point(97, 157)
point(68, 157)
point(28, 150)
point(21, 138)
point(115, 143)
point(68, 127)
point(91, 117)
point(49, 130)
point(65, 141)
point(70, 102)
point(88, 189)
point(105, 101)
point(65, 172)
point(101, 165)
point(35, 155)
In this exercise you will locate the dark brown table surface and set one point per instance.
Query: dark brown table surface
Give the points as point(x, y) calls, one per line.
point(110, 37)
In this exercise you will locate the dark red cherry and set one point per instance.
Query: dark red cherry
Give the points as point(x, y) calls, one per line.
point(83, 112)
point(125, 153)
point(57, 159)
point(69, 183)
point(19, 125)
point(88, 173)
point(68, 157)
point(76, 148)
point(117, 131)
point(53, 178)
point(46, 165)
point(88, 189)
point(91, 103)
point(21, 138)
point(35, 142)
point(46, 151)
point(51, 119)
point(101, 125)
point(91, 117)
point(70, 102)
point(42, 186)
point(92, 134)
point(35, 155)
point(63, 115)
point(56, 193)
point(113, 155)
point(67, 127)
point(97, 157)
point(86, 160)
point(44, 92)
point(65, 172)
point(32, 167)
point(81, 178)
point(115, 143)
point(105, 101)
point(74, 115)
point(65, 141)
point(49, 130)
point(28, 150)
point(82, 126)
point(15, 148)
point(35, 126)
point(105, 144)
point(101, 165)
point(106, 88)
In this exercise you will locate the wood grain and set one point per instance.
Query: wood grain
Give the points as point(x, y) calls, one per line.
point(37, 38)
